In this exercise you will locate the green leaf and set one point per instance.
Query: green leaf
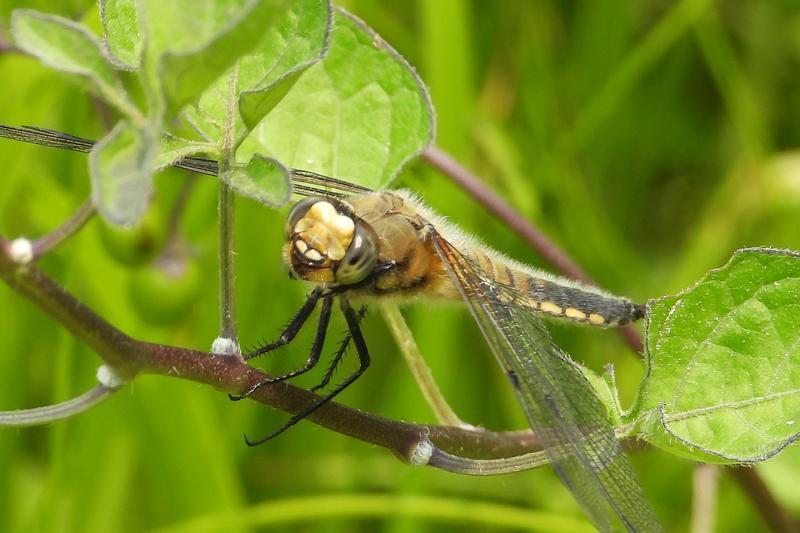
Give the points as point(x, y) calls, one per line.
point(263, 77)
point(359, 114)
point(122, 33)
point(263, 179)
point(120, 166)
point(69, 47)
point(605, 388)
point(294, 42)
point(172, 148)
point(186, 76)
point(724, 362)
point(299, 40)
point(191, 44)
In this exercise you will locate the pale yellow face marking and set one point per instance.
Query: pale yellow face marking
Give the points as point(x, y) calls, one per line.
point(550, 307)
point(313, 255)
point(571, 312)
point(343, 227)
point(322, 211)
point(304, 224)
point(340, 226)
point(324, 233)
point(334, 248)
point(594, 318)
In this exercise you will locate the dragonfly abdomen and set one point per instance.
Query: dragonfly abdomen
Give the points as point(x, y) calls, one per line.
point(581, 305)
point(561, 298)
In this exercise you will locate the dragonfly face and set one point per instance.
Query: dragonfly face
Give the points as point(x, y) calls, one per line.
point(327, 243)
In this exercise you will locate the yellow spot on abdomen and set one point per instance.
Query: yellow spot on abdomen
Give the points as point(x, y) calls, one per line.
point(594, 318)
point(576, 314)
point(550, 307)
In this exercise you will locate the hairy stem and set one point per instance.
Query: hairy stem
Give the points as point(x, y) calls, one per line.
point(227, 271)
point(227, 251)
point(121, 352)
point(6, 47)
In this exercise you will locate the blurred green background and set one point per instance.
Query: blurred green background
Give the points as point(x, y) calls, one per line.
point(649, 139)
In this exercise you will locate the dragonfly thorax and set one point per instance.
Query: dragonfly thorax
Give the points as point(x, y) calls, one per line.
point(327, 243)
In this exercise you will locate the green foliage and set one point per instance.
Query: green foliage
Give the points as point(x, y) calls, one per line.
point(224, 66)
point(120, 167)
point(164, 292)
point(360, 114)
point(649, 141)
point(67, 46)
point(723, 362)
point(123, 34)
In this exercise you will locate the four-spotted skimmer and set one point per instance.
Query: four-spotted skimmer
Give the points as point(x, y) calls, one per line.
point(363, 246)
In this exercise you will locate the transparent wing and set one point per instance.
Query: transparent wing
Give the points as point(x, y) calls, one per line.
point(304, 182)
point(560, 404)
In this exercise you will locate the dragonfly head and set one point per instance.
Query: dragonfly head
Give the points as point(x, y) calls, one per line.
point(327, 243)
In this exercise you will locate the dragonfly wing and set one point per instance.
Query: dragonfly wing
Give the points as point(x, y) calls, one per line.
point(304, 182)
point(568, 418)
point(307, 183)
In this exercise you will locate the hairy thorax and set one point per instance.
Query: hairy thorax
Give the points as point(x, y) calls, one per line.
point(403, 238)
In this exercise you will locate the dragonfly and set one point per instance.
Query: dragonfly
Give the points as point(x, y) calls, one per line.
point(363, 247)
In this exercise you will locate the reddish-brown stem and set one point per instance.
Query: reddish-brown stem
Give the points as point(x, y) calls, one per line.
point(496, 205)
point(8, 48)
point(776, 517)
point(129, 356)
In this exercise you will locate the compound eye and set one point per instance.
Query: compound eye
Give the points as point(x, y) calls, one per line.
point(298, 211)
point(361, 257)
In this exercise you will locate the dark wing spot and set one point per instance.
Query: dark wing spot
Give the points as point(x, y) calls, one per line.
point(513, 378)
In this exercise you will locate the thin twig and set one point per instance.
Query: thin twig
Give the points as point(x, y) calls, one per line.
point(104, 111)
point(487, 467)
point(66, 230)
point(549, 251)
point(51, 413)
point(6, 47)
point(227, 270)
point(179, 207)
point(705, 481)
point(773, 513)
point(419, 369)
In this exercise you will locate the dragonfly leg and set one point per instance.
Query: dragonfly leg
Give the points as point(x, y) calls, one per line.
point(364, 360)
point(316, 347)
point(293, 328)
point(337, 358)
